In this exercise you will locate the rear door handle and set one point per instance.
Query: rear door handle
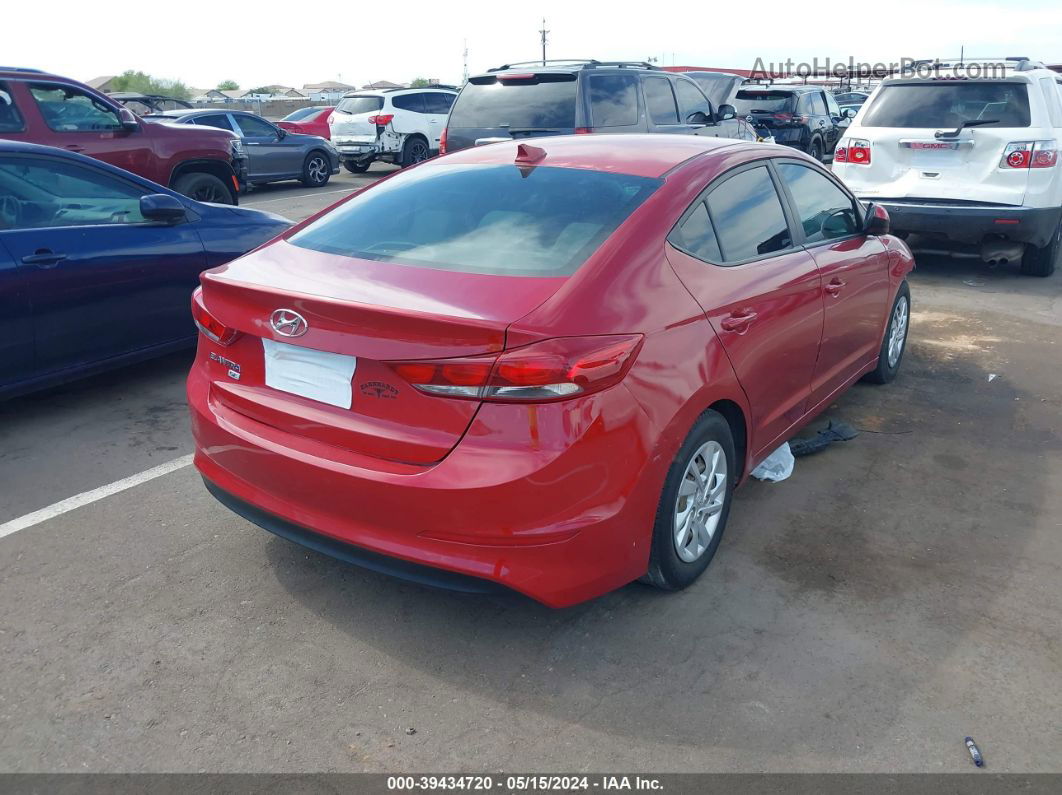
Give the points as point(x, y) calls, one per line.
point(739, 321)
point(43, 258)
point(834, 287)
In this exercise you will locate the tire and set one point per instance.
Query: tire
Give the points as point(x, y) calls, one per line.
point(203, 188)
point(890, 358)
point(1041, 261)
point(679, 553)
point(815, 149)
point(414, 150)
point(316, 171)
point(356, 168)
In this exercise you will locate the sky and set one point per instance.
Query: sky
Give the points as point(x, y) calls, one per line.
point(268, 42)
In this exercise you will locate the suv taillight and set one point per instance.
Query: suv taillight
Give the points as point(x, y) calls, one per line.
point(1029, 154)
point(442, 142)
point(382, 120)
point(549, 370)
point(852, 150)
point(208, 324)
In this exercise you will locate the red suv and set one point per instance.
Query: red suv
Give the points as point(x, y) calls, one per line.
point(203, 163)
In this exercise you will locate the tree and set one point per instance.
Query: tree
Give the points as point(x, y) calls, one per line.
point(132, 80)
point(420, 82)
point(261, 90)
point(228, 85)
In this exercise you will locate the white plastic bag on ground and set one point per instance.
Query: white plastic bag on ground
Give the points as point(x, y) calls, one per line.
point(777, 466)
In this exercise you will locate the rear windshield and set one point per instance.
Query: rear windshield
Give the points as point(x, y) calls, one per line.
point(360, 104)
point(301, 113)
point(947, 105)
point(482, 218)
point(533, 104)
point(767, 101)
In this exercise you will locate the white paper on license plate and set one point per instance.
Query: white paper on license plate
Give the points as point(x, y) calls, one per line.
point(317, 375)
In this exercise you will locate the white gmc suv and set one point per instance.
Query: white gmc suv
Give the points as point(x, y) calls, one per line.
point(966, 153)
point(401, 125)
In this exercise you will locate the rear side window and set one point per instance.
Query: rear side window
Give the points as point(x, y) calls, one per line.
point(482, 218)
point(10, 119)
point(68, 109)
point(696, 236)
point(613, 100)
point(813, 104)
point(948, 104)
point(412, 102)
point(748, 216)
point(660, 100)
point(826, 212)
point(219, 120)
point(354, 105)
point(766, 101)
point(542, 102)
point(437, 102)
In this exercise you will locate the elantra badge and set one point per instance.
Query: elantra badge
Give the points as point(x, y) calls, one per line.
point(288, 323)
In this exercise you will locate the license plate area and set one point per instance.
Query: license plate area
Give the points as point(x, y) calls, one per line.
point(317, 375)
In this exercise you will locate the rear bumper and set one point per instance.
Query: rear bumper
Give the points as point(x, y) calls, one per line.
point(547, 500)
point(971, 223)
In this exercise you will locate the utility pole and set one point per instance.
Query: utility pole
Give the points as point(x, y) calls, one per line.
point(464, 73)
point(543, 32)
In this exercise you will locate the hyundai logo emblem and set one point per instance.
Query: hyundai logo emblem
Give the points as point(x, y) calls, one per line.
point(288, 323)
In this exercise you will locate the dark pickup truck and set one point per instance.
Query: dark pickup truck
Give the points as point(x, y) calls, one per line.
point(203, 163)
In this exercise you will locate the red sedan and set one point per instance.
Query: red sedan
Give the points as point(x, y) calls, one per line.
point(308, 121)
point(543, 366)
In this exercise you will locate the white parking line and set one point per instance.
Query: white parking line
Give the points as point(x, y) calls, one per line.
point(88, 497)
point(249, 203)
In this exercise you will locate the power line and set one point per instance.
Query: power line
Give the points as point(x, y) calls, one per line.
point(543, 32)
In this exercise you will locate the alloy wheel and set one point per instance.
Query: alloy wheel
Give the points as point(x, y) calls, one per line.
point(898, 332)
point(317, 170)
point(700, 501)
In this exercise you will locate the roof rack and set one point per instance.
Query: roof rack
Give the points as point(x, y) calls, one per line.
point(21, 69)
point(1019, 63)
point(588, 62)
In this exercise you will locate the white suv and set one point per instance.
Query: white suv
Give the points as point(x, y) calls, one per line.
point(965, 154)
point(400, 125)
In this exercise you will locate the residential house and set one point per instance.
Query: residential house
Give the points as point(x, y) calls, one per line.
point(328, 91)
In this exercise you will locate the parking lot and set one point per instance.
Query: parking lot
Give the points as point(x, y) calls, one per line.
point(899, 592)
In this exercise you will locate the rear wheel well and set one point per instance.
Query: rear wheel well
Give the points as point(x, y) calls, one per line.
point(217, 168)
point(735, 418)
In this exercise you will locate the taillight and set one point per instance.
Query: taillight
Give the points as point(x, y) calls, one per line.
point(583, 130)
point(382, 120)
point(783, 116)
point(1029, 154)
point(549, 370)
point(208, 324)
point(332, 118)
point(442, 142)
point(852, 150)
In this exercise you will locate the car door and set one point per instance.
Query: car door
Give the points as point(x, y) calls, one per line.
point(279, 156)
point(820, 119)
point(691, 100)
point(81, 122)
point(101, 279)
point(16, 322)
point(854, 268)
point(661, 108)
point(834, 122)
point(437, 107)
point(734, 250)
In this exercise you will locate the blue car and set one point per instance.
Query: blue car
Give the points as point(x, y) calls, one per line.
point(97, 265)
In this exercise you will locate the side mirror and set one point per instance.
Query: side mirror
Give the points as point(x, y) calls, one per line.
point(848, 113)
point(163, 208)
point(128, 120)
point(281, 133)
point(876, 221)
point(698, 117)
point(727, 112)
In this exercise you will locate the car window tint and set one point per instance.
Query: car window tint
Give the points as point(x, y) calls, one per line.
point(696, 236)
point(748, 216)
point(660, 100)
point(43, 192)
point(254, 127)
point(831, 105)
point(438, 102)
point(413, 102)
point(546, 102)
point(354, 105)
point(219, 120)
point(300, 114)
point(613, 100)
point(10, 119)
point(749, 101)
point(481, 218)
point(826, 212)
point(690, 99)
point(68, 109)
point(818, 104)
point(947, 104)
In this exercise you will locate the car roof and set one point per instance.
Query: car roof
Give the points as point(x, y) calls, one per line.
point(780, 87)
point(26, 148)
point(388, 92)
point(641, 155)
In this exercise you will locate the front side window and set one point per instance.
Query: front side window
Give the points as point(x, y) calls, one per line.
point(43, 192)
point(478, 218)
point(946, 105)
point(219, 120)
point(748, 216)
point(68, 109)
point(410, 102)
point(826, 212)
point(10, 118)
point(254, 127)
point(660, 100)
point(831, 105)
point(613, 100)
point(690, 99)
